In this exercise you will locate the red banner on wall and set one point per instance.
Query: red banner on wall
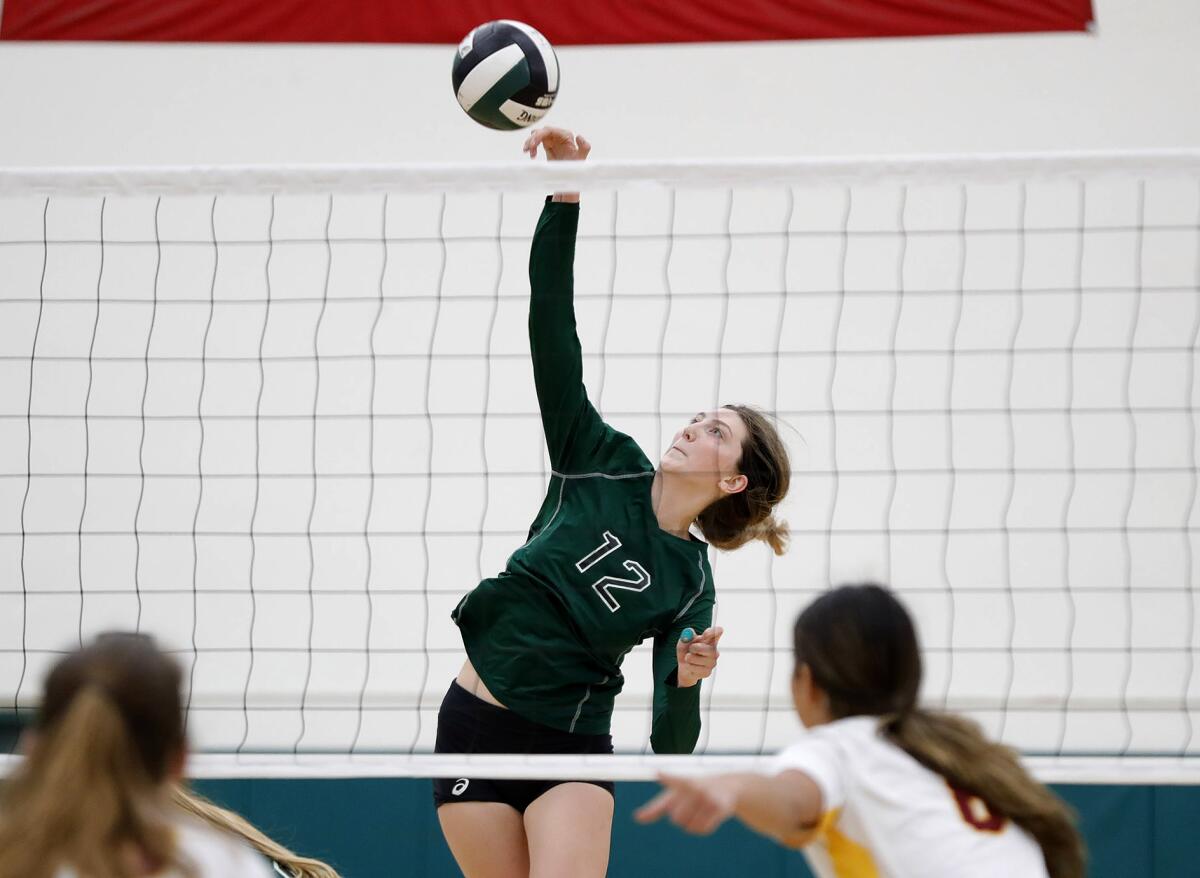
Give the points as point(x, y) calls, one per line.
point(564, 22)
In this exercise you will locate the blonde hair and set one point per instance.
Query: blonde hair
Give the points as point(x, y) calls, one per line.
point(860, 646)
point(747, 515)
point(227, 821)
point(92, 793)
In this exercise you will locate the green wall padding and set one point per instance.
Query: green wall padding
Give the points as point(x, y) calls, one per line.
point(371, 828)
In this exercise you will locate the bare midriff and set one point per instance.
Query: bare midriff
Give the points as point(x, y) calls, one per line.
point(469, 680)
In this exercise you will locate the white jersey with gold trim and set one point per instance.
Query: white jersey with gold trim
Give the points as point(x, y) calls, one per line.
point(885, 814)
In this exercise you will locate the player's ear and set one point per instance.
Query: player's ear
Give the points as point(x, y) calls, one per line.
point(733, 484)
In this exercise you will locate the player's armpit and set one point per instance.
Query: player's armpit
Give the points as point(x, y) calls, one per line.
point(800, 838)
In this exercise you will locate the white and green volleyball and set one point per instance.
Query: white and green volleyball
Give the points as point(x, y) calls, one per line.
point(505, 75)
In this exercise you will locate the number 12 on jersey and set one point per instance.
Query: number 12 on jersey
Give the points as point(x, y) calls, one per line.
point(605, 584)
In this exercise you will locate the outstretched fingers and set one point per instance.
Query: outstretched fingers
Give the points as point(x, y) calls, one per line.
point(675, 790)
point(559, 143)
point(531, 144)
point(687, 803)
point(655, 808)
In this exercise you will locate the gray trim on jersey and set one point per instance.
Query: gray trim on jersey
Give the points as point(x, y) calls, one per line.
point(601, 475)
point(561, 487)
point(699, 591)
point(579, 708)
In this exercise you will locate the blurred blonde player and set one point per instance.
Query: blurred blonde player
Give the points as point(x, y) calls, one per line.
point(878, 786)
point(92, 798)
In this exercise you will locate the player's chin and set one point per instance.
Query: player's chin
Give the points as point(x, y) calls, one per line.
point(673, 462)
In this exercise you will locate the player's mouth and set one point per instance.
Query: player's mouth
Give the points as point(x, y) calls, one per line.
point(680, 450)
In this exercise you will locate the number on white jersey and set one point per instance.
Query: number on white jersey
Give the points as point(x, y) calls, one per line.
point(975, 812)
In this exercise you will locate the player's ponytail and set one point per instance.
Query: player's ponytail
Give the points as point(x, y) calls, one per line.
point(973, 765)
point(92, 784)
point(860, 646)
point(229, 822)
point(741, 518)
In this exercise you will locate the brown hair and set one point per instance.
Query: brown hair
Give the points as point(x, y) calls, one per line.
point(861, 647)
point(739, 518)
point(93, 787)
point(229, 822)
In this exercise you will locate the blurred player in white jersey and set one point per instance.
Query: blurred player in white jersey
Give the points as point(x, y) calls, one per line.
point(92, 799)
point(878, 786)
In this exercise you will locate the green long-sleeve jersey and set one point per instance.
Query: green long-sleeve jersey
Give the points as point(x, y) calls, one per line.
point(597, 575)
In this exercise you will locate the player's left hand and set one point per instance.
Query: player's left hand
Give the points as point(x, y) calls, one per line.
point(696, 805)
point(697, 657)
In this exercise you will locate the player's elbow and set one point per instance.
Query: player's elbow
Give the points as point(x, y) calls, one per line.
point(666, 742)
point(798, 837)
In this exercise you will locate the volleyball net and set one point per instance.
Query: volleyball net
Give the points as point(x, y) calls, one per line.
point(284, 418)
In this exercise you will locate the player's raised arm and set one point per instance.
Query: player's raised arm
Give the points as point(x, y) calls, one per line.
point(572, 426)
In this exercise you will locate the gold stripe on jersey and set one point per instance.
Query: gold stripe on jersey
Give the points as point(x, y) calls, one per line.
point(850, 859)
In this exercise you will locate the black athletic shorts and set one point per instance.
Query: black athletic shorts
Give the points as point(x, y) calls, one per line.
point(467, 724)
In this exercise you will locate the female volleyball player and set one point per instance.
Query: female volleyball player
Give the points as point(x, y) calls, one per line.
point(609, 561)
point(93, 797)
point(879, 786)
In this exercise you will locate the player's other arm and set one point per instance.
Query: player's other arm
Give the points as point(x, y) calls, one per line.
point(785, 807)
point(570, 422)
point(682, 659)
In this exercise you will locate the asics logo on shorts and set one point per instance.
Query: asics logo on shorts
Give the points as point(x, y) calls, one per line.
point(460, 786)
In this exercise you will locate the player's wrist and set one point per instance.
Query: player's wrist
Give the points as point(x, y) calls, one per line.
point(565, 197)
point(733, 787)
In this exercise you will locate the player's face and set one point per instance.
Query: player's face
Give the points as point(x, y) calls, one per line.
point(709, 447)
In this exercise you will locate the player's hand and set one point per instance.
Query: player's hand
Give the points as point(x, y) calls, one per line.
point(697, 656)
point(696, 805)
point(559, 144)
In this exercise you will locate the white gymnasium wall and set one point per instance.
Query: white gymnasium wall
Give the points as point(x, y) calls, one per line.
point(1133, 83)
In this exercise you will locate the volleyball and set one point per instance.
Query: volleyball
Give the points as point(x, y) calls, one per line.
point(505, 75)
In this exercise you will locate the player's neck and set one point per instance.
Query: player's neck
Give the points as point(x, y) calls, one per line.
point(676, 503)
